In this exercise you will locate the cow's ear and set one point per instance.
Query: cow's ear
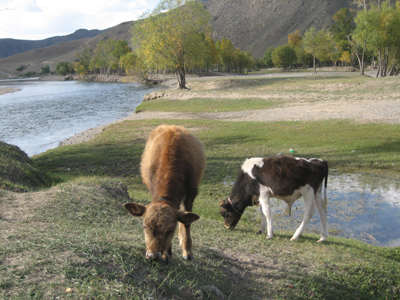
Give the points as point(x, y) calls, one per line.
point(187, 217)
point(135, 209)
point(224, 204)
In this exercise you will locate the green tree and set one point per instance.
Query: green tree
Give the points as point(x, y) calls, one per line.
point(134, 66)
point(318, 43)
point(378, 27)
point(242, 61)
point(226, 52)
point(45, 70)
point(172, 37)
point(211, 56)
point(62, 68)
point(103, 56)
point(283, 56)
point(121, 49)
point(82, 63)
point(267, 58)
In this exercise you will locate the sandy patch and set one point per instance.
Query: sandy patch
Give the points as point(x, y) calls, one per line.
point(8, 90)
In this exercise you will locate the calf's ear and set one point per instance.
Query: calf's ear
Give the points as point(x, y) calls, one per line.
point(187, 217)
point(224, 204)
point(135, 209)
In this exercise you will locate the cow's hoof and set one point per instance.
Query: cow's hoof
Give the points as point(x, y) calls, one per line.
point(259, 232)
point(321, 240)
point(269, 237)
point(187, 257)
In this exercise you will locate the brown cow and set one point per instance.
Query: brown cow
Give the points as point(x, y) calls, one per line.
point(172, 167)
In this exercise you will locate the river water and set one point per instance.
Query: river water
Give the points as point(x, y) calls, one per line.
point(362, 207)
point(45, 113)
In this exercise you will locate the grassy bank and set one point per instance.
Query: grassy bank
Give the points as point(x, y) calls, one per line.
point(75, 241)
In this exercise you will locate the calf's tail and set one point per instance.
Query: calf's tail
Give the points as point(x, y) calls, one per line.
point(325, 200)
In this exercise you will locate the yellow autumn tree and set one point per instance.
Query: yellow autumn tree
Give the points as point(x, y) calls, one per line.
point(173, 37)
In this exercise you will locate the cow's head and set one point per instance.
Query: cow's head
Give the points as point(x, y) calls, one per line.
point(159, 222)
point(230, 214)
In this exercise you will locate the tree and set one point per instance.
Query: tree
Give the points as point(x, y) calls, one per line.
point(226, 51)
point(82, 65)
point(63, 68)
point(318, 43)
point(283, 56)
point(135, 66)
point(267, 59)
point(103, 56)
point(211, 55)
point(121, 48)
point(294, 39)
point(45, 70)
point(172, 37)
point(345, 58)
point(378, 28)
point(242, 60)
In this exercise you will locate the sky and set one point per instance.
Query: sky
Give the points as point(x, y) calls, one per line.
point(41, 19)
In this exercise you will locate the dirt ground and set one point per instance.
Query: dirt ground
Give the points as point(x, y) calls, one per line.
point(363, 109)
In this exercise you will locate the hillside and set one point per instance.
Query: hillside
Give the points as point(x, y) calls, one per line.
point(257, 24)
point(251, 25)
point(10, 47)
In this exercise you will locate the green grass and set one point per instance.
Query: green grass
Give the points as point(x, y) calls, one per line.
point(77, 241)
point(18, 172)
point(205, 105)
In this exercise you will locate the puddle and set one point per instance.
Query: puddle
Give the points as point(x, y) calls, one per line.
point(361, 207)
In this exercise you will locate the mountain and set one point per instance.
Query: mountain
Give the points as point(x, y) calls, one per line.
point(252, 25)
point(10, 47)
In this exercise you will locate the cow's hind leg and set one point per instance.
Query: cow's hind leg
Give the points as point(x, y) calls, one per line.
point(322, 211)
point(309, 211)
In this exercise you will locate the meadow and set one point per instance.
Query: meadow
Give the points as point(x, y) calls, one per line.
point(67, 235)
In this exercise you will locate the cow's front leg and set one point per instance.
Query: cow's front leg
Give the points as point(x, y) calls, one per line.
point(266, 211)
point(185, 241)
point(263, 222)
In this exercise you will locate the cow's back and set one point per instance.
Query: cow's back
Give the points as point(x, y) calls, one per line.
point(172, 162)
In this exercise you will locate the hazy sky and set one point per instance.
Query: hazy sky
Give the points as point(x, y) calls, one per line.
point(40, 19)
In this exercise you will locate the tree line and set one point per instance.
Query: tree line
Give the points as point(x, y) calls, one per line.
point(178, 41)
point(176, 37)
point(370, 35)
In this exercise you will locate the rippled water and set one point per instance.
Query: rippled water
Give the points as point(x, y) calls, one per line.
point(43, 113)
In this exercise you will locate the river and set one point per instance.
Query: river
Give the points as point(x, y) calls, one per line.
point(44, 113)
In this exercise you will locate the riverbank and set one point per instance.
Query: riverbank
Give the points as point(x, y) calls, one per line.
point(8, 90)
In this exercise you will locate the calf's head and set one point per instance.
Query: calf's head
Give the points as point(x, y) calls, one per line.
point(159, 223)
point(230, 214)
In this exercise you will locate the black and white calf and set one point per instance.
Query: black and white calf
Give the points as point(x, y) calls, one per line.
point(283, 177)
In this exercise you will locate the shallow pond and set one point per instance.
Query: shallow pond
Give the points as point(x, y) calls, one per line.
point(361, 207)
point(44, 113)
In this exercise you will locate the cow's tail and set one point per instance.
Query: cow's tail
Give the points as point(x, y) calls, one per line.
point(325, 200)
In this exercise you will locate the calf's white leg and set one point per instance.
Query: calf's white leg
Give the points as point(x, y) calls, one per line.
point(309, 210)
point(266, 211)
